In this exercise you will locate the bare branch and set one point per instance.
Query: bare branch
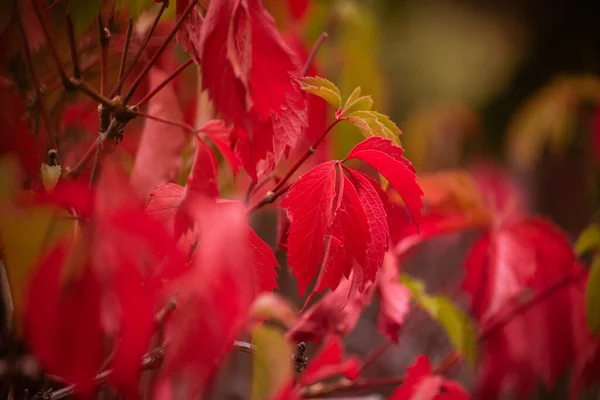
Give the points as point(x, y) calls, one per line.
point(313, 53)
point(168, 79)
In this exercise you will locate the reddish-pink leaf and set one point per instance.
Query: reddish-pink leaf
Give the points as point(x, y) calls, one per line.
point(188, 36)
point(351, 232)
point(394, 299)
point(422, 385)
point(53, 308)
point(248, 72)
point(386, 158)
point(219, 134)
point(264, 262)
point(376, 215)
point(158, 159)
point(309, 207)
point(199, 339)
point(336, 313)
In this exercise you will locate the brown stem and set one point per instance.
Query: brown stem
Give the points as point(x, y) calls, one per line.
point(91, 93)
point(121, 78)
point(503, 321)
point(104, 39)
point(50, 43)
point(160, 50)
point(313, 52)
point(36, 82)
point(182, 125)
point(282, 186)
point(375, 354)
point(168, 79)
point(72, 45)
point(117, 88)
point(76, 170)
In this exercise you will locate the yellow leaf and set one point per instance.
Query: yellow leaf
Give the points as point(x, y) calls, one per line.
point(323, 88)
point(272, 362)
point(50, 175)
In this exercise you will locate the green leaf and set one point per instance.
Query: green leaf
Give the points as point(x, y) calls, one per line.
point(459, 328)
point(592, 296)
point(323, 88)
point(370, 124)
point(50, 175)
point(588, 240)
point(356, 102)
point(272, 363)
point(83, 14)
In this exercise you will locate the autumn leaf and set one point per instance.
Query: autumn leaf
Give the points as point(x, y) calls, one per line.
point(189, 34)
point(271, 366)
point(323, 88)
point(158, 159)
point(353, 231)
point(250, 81)
point(394, 299)
point(421, 383)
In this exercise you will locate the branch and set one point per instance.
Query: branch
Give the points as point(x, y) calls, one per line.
point(550, 290)
point(164, 83)
point(72, 45)
point(122, 77)
point(50, 43)
point(313, 52)
point(345, 386)
point(160, 50)
point(182, 125)
point(104, 39)
point(282, 186)
point(35, 80)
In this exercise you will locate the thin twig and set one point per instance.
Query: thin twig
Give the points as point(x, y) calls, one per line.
point(36, 82)
point(345, 386)
point(50, 43)
point(165, 82)
point(375, 354)
point(282, 186)
point(122, 77)
point(104, 39)
point(182, 125)
point(313, 52)
point(87, 156)
point(91, 93)
point(72, 45)
point(502, 322)
point(160, 50)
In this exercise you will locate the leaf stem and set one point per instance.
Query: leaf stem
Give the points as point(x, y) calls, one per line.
point(168, 79)
point(158, 52)
point(282, 185)
point(122, 77)
point(182, 125)
point(313, 52)
point(375, 354)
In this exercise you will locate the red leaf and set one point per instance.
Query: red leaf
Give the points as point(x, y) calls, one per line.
point(250, 81)
point(158, 159)
point(198, 341)
point(422, 385)
point(298, 8)
point(188, 36)
point(54, 308)
point(264, 261)
point(309, 208)
point(336, 313)
point(386, 158)
point(219, 134)
point(394, 299)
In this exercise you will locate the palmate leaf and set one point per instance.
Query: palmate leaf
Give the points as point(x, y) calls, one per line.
point(459, 328)
point(353, 231)
point(372, 123)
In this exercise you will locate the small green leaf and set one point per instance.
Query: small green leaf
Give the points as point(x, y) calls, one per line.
point(50, 175)
point(272, 363)
point(588, 240)
point(370, 125)
point(83, 14)
point(592, 296)
point(323, 88)
point(387, 122)
point(459, 328)
point(356, 102)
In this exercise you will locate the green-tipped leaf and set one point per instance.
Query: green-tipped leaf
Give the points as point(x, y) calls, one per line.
point(323, 88)
point(272, 362)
